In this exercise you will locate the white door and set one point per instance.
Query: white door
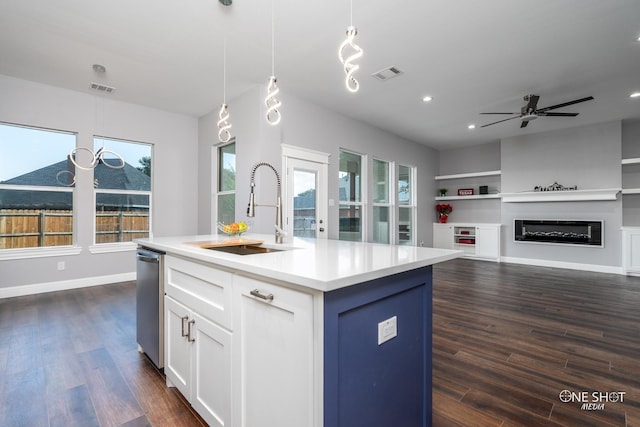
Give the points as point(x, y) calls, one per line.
point(177, 357)
point(275, 354)
point(211, 392)
point(306, 198)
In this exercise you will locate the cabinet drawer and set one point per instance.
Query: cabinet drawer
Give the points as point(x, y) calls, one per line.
point(204, 289)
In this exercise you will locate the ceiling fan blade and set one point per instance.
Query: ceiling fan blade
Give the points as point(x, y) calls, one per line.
point(564, 104)
point(499, 121)
point(524, 123)
point(499, 113)
point(558, 114)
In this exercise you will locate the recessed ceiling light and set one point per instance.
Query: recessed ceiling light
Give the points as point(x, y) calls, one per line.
point(471, 126)
point(427, 98)
point(635, 95)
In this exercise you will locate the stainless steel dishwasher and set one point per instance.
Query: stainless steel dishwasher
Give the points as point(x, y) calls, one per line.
point(150, 304)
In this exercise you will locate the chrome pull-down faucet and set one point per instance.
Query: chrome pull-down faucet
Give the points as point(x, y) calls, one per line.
point(280, 233)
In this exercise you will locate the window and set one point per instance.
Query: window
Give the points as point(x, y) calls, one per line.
point(406, 205)
point(227, 183)
point(122, 182)
point(36, 187)
point(351, 189)
point(382, 205)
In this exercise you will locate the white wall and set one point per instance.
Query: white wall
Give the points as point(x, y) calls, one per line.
point(631, 173)
point(587, 156)
point(175, 180)
point(478, 158)
point(310, 126)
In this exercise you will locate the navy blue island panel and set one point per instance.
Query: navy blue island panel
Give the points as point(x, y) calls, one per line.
point(386, 385)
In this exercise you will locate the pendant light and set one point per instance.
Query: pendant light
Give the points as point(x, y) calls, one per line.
point(349, 67)
point(224, 135)
point(271, 101)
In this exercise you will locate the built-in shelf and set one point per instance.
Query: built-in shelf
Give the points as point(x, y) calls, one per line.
point(472, 197)
point(467, 175)
point(562, 196)
point(631, 161)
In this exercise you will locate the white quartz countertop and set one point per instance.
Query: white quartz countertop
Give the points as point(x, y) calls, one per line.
point(318, 264)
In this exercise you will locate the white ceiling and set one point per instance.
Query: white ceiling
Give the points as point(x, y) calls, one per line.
point(471, 56)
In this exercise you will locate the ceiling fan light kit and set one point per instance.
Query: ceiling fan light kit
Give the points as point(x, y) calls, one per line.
point(530, 110)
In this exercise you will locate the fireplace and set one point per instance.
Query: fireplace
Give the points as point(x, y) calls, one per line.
point(563, 232)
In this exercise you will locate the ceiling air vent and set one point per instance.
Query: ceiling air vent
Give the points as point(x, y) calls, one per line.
point(387, 73)
point(101, 88)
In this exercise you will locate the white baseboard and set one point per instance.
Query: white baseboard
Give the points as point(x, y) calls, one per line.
point(63, 285)
point(561, 264)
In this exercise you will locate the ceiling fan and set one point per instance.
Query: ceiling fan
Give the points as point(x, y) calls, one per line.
point(529, 111)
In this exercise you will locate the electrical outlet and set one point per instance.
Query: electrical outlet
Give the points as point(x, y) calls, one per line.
point(61, 265)
point(387, 329)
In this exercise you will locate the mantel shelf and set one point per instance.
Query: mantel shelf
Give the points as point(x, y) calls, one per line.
point(472, 197)
point(631, 161)
point(562, 196)
point(631, 191)
point(468, 175)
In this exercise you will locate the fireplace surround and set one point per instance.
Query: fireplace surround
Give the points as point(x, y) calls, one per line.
point(564, 232)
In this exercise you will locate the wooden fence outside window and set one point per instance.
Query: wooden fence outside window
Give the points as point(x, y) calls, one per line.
point(29, 228)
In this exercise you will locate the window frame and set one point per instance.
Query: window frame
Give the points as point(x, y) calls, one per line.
point(412, 206)
point(362, 204)
point(217, 181)
point(127, 245)
point(46, 251)
point(390, 204)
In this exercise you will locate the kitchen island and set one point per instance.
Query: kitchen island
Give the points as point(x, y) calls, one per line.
point(306, 333)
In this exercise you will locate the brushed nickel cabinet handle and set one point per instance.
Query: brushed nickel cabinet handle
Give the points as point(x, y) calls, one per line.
point(256, 293)
point(190, 338)
point(183, 319)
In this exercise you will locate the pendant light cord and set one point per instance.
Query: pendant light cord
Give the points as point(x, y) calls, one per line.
point(224, 70)
point(273, 40)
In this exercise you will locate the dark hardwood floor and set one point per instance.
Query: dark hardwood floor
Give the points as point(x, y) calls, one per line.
point(507, 340)
point(70, 359)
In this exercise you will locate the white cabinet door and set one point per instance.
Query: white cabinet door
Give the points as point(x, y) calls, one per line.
point(487, 241)
point(211, 382)
point(443, 236)
point(631, 250)
point(274, 349)
point(177, 356)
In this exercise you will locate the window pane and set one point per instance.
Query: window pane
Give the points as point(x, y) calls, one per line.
point(304, 203)
point(404, 185)
point(350, 223)
point(380, 181)
point(110, 172)
point(381, 222)
point(121, 217)
point(350, 177)
point(405, 226)
point(227, 168)
point(35, 157)
point(226, 208)
point(30, 219)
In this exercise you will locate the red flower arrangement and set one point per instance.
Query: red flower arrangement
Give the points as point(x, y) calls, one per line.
point(444, 208)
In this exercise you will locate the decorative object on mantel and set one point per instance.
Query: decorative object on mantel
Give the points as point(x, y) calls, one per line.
point(443, 212)
point(465, 191)
point(555, 187)
point(272, 103)
point(347, 63)
point(443, 192)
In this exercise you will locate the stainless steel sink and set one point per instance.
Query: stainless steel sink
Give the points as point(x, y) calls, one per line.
point(243, 249)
